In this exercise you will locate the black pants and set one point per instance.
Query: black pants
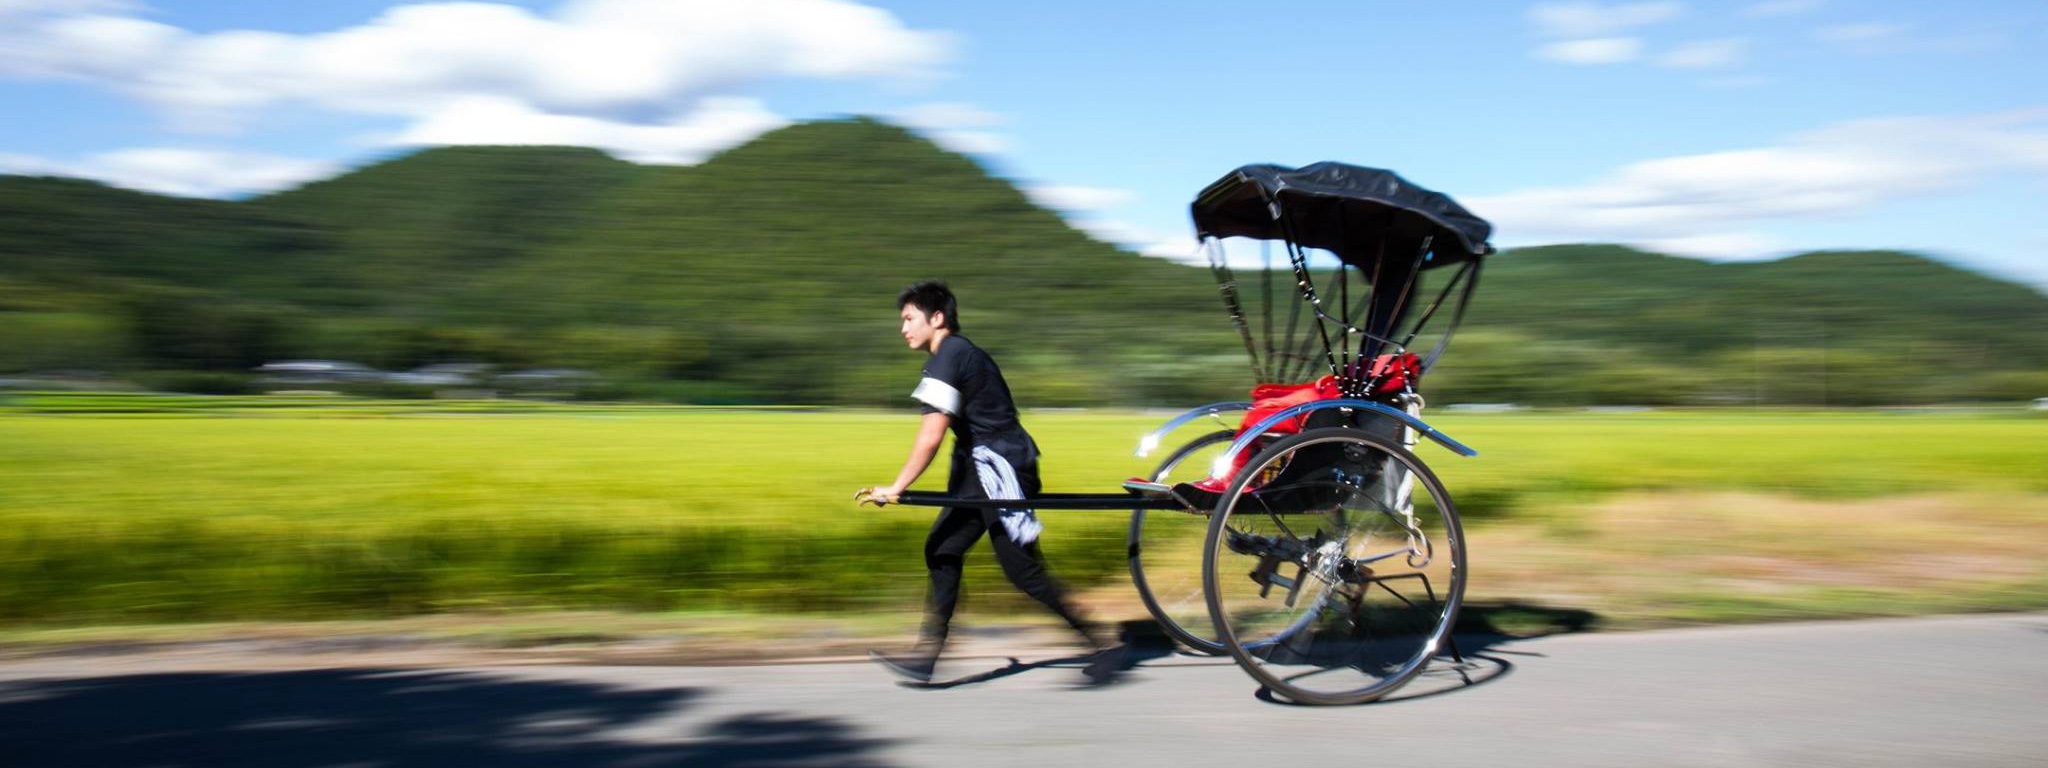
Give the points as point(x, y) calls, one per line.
point(955, 532)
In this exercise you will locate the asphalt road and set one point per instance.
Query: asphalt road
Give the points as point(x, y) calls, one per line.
point(1952, 691)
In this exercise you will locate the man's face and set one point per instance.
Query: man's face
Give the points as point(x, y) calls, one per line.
point(919, 327)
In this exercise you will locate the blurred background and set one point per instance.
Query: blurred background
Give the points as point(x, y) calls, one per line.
point(370, 310)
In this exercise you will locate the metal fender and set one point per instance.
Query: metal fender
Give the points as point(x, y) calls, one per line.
point(1229, 457)
point(1150, 442)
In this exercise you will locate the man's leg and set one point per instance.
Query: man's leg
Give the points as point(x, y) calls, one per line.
point(1014, 533)
point(945, 552)
point(1025, 566)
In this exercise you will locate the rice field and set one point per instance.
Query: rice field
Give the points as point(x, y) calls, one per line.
point(125, 509)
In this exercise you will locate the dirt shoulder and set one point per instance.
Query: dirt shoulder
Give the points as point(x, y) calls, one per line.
point(550, 638)
point(1637, 561)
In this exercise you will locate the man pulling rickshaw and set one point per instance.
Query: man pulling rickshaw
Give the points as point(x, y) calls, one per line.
point(1332, 559)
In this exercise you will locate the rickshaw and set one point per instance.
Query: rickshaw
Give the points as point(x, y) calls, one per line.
point(1331, 565)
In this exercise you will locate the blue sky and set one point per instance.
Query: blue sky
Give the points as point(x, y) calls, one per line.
point(1735, 130)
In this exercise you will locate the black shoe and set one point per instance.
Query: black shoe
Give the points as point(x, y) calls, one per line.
point(1106, 666)
point(914, 665)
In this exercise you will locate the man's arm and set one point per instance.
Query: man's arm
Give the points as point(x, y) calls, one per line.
point(930, 434)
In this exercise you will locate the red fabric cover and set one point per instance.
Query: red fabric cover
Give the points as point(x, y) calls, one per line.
point(1269, 399)
point(1399, 369)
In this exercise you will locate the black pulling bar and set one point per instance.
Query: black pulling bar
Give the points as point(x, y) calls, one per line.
point(1041, 502)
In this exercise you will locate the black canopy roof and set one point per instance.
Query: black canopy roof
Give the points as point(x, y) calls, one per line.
point(1356, 213)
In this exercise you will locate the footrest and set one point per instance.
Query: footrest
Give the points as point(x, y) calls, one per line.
point(1195, 497)
point(1143, 487)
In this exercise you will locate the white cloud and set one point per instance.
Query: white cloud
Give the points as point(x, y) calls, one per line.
point(948, 116)
point(957, 126)
point(1585, 19)
point(18, 9)
point(1082, 207)
point(29, 165)
point(1706, 54)
point(1716, 245)
point(1179, 249)
point(1710, 203)
point(180, 171)
point(1110, 231)
point(1873, 31)
point(627, 71)
point(600, 58)
point(1238, 253)
point(1782, 8)
point(1605, 50)
point(1077, 199)
point(971, 142)
point(1180, 245)
point(717, 124)
point(1591, 31)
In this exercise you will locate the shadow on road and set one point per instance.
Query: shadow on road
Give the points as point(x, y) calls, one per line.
point(1142, 640)
point(1516, 620)
point(393, 719)
point(1483, 629)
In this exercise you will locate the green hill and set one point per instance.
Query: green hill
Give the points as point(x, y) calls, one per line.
point(1603, 323)
point(767, 272)
point(407, 230)
point(84, 235)
point(774, 266)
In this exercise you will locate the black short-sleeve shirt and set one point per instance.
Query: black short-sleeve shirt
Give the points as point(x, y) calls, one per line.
point(963, 382)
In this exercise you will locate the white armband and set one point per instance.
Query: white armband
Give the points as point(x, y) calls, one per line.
point(938, 394)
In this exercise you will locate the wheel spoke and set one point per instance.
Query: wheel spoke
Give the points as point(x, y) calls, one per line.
point(1166, 552)
point(1315, 622)
point(1275, 516)
point(1381, 556)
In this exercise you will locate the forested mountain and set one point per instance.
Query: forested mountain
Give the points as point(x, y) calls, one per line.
point(408, 231)
point(766, 274)
point(1619, 325)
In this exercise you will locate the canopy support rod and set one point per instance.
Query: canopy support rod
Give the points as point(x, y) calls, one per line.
point(1379, 259)
point(1457, 318)
point(1300, 353)
point(1266, 288)
point(1297, 346)
point(1400, 305)
point(1430, 311)
point(1343, 276)
point(1307, 286)
point(1226, 284)
point(1301, 277)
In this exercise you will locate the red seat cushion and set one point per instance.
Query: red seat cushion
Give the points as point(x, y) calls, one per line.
point(1268, 399)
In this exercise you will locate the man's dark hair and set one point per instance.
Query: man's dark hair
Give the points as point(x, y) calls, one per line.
point(931, 296)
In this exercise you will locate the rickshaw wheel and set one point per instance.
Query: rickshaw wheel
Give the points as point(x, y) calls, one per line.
point(1166, 556)
point(1339, 579)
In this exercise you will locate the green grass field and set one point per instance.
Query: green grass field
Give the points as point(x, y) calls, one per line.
point(246, 508)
